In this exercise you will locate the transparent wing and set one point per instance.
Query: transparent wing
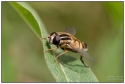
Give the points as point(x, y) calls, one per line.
point(85, 54)
point(70, 30)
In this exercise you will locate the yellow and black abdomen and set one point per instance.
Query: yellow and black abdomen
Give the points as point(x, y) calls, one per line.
point(69, 42)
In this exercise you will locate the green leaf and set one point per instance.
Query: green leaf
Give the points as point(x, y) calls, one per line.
point(67, 69)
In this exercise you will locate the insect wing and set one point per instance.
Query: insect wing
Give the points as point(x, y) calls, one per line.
point(70, 30)
point(85, 54)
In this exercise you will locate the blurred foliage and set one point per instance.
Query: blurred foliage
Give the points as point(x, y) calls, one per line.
point(99, 24)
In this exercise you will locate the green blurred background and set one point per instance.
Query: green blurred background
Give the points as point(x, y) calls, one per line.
point(99, 24)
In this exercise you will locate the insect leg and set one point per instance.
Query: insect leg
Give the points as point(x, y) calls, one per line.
point(65, 51)
point(83, 62)
point(44, 38)
point(51, 49)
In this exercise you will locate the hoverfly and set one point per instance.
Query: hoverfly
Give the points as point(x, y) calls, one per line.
point(66, 41)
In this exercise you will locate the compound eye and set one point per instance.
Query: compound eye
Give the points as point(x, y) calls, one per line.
point(56, 40)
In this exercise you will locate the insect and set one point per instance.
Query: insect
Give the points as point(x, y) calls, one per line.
point(67, 42)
